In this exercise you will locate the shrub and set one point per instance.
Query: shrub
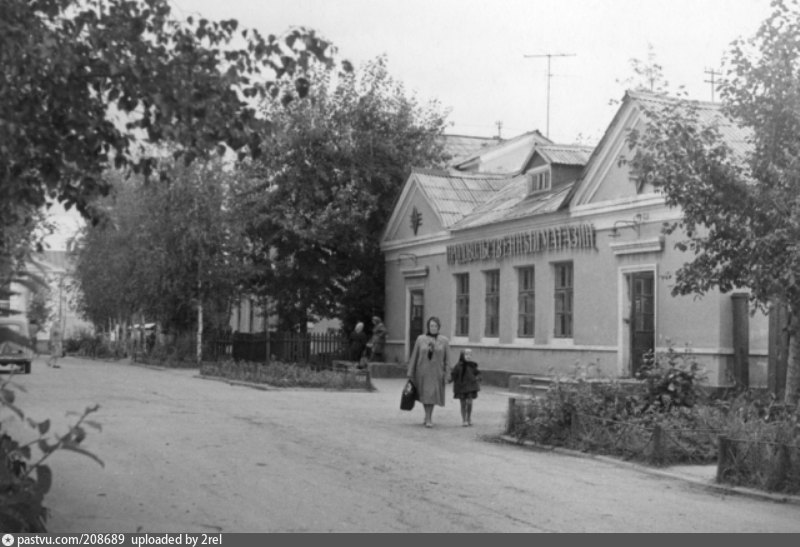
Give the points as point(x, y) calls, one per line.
point(95, 345)
point(285, 375)
point(672, 380)
point(653, 418)
point(177, 351)
point(25, 478)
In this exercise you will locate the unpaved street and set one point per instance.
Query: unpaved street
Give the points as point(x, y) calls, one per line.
point(184, 454)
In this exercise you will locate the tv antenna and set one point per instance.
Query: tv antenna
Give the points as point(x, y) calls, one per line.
point(549, 75)
point(711, 72)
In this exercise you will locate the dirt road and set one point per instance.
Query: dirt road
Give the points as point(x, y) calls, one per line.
point(184, 454)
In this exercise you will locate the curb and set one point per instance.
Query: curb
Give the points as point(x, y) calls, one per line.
point(267, 387)
point(709, 484)
point(261, 387)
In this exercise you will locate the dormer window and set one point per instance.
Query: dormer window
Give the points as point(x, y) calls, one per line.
point(539, 181)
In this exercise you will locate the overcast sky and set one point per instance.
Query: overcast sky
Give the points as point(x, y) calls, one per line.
point(470, 55)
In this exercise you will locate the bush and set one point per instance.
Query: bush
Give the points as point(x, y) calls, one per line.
point(654, 418)
point(285, 375)
point(25, 478)
point(95, 345)
point(666, 417)
point(672, 380)
point(178, 351)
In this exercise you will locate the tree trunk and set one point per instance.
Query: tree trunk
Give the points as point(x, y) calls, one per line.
point(792, 392)
point(199, 326)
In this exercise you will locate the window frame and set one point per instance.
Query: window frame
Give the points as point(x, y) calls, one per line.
point(541, 180)
point(526, 293)
point(491, 327)
point(461, 324)
point(564, 298)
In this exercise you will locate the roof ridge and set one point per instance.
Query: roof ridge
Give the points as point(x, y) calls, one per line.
point(455, 174)
point(472, 137)
point(663, 98)
point(567, 146)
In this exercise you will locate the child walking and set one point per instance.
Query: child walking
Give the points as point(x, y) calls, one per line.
point(466, 384)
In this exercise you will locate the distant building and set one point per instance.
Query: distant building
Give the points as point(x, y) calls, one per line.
point(458, 148)
point(56, 269)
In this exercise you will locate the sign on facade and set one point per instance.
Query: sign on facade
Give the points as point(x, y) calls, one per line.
point(580, 236)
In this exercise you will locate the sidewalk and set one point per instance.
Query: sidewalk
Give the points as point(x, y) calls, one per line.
point(704, 476)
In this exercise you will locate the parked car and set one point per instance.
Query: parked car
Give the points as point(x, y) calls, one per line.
point(16, 347)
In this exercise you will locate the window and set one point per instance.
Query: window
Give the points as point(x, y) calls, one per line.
point(5, 297)
point(539, 181)
point(462, 304)
point(526, 300)
point(563, 296)
point(492, 329)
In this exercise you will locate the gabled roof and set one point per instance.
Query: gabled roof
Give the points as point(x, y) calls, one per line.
point(454, 194)
point(508, 157)
point(708, 113)
point(464, 199)
point(513, 201)
point(459, 148)
point(565, 154)
point(634, 104)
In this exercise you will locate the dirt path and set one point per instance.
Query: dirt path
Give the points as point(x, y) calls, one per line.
point(193, 455)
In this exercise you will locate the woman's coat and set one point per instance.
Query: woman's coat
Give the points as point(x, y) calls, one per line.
point(429, 373)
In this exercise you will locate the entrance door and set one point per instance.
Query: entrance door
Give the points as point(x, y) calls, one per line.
point(416, 315)
point(642, 320)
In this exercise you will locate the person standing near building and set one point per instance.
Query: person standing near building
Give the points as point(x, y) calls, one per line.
point(428, 368)
point(56, 345)
point(358, 341)
point(378, 340)
point(466, 384)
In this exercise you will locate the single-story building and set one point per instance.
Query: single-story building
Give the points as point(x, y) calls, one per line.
point(558, 264)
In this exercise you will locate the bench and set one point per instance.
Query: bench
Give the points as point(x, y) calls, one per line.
point(351, 367)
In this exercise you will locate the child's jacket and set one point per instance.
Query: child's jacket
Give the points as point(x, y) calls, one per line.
point(466, 377)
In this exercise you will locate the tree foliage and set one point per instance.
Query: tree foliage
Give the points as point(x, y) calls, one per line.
point(85, 86)
point(648, 74)
point(741, 210)
point(319, 197)
point(162, 250)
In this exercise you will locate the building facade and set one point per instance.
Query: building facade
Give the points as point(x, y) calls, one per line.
point(557, 267)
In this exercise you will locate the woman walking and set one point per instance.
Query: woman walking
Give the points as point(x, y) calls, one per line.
point(428, 368)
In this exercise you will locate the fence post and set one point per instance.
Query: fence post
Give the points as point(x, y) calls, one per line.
point(512, 420)
point(574, 426)
point(725, 455)
point(779, 468)
point(658, 444)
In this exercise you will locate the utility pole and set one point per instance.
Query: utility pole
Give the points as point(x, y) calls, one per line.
point(712, 81)
point(549, 75)
point(499, 129)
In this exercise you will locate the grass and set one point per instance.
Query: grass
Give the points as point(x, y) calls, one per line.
point(287, 375)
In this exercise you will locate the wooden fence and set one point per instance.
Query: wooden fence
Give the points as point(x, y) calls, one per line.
point(317, 349)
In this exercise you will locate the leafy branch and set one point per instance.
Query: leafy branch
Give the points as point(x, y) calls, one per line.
point(22, 494)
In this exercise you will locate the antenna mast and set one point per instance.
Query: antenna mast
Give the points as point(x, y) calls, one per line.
point(549, 75)
point(712, 81)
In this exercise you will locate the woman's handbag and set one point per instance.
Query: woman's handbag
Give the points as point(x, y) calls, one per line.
point(409, 396)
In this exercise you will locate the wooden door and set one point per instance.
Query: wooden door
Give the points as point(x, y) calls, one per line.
point(416, 315)
point(642, 320)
